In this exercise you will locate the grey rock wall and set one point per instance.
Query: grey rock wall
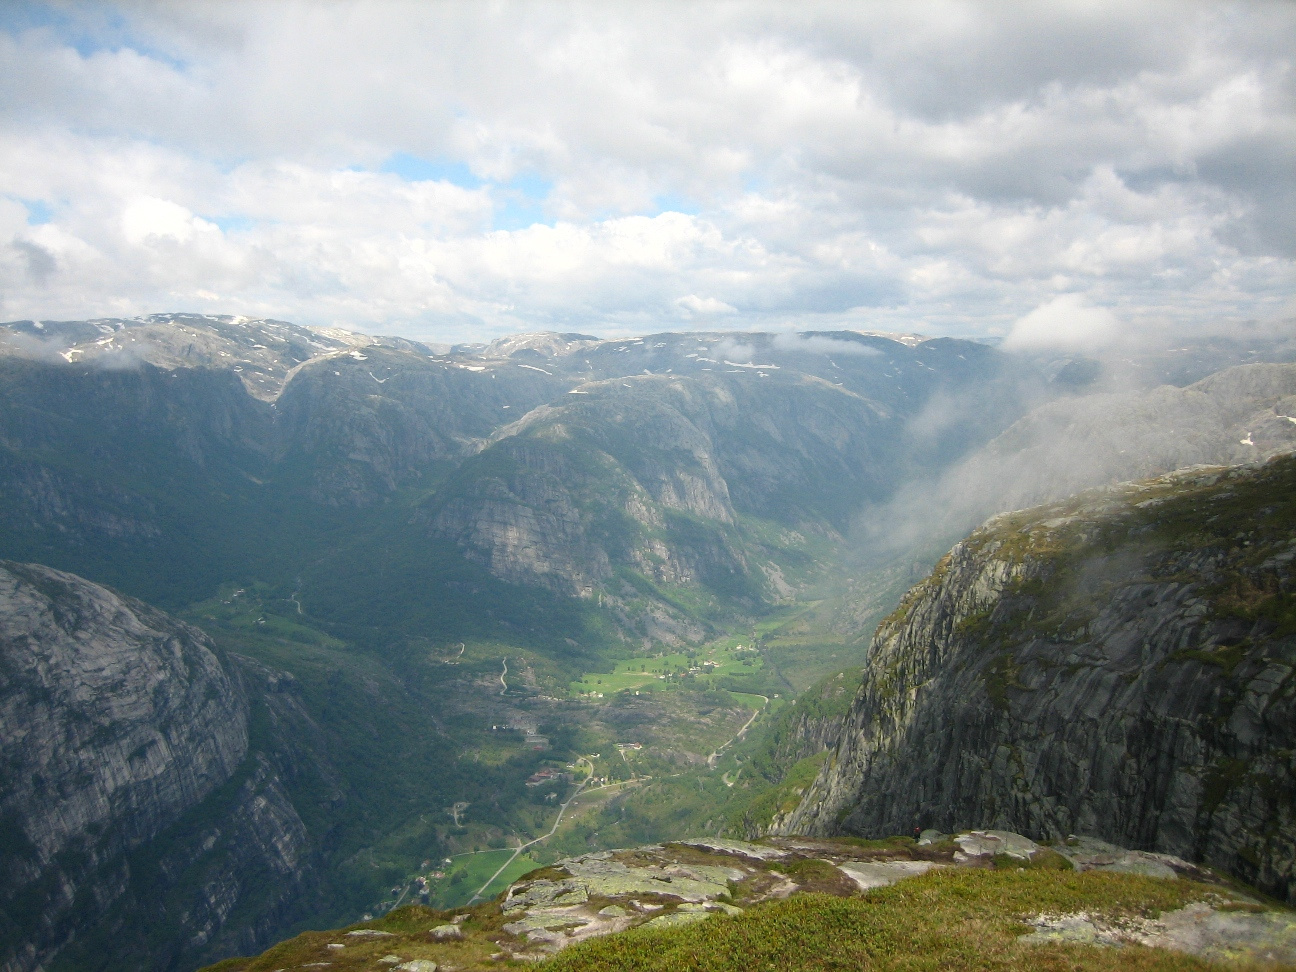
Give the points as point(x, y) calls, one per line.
point(1119, 665)
point(114, 720)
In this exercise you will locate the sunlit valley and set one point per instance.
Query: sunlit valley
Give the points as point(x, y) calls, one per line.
point(596, 488)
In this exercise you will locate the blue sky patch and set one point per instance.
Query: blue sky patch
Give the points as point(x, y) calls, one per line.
point(411, 168)
point(518, 213)
point(531, 185)
point(39, 212)
point(87, 31)
point(520, 202)
point(674, 203)
point(232, 224)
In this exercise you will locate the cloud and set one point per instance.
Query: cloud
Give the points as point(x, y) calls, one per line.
point(40, 262)
point(945, 168)
point(691, 305)
point(147, 219)
point(822, 344)
point(730, 349)
point(1065, 323)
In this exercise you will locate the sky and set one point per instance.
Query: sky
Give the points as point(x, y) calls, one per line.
point(1048, 174)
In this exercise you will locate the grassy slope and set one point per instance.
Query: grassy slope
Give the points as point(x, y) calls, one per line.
point(950, 920)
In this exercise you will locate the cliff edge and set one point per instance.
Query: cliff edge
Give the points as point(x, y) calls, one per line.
point(114, 720)
point(1118, 665)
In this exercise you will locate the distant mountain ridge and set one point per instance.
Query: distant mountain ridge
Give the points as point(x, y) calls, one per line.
point(1240, 414)
point(403, 526)
point(552, 460)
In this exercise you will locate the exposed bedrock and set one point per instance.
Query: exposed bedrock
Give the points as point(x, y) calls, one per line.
point(1119, 665)
point(115, 719)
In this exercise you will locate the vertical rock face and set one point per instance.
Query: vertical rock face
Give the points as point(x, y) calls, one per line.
point(114, 720)
point(1120, 665)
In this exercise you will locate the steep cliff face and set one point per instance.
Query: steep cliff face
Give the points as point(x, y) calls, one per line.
point(114, 721)
point(614, 479)
point(130, 787)
point(1119, 665)
point(654, 472)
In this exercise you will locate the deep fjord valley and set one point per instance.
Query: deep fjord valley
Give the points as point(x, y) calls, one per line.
point(696, 649)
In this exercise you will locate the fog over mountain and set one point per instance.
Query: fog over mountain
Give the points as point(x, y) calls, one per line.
point(445, 447)
point(427, 576)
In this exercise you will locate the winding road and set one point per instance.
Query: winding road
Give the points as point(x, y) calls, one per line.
point(711, 761)
point(552, 830)
point(714, 757)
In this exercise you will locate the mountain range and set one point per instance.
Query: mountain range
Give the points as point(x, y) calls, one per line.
point(404, 582)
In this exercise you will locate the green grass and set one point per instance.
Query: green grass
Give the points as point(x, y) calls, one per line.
point(466, 875)
point(643, 674)
point(521, 865)
point(948, 921)
point(951, 919)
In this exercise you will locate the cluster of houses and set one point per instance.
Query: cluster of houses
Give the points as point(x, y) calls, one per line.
point(548, 775)
point(705, 668)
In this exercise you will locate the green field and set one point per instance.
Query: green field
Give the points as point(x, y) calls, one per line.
point(520, 866)
point(669, 671)
point(468, 872)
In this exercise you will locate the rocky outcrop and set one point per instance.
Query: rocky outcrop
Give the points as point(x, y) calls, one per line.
point(715, 880)
point(1119, 665)
point(114, 721)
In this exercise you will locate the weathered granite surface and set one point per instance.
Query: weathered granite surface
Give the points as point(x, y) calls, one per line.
point(1267, 938)
point(679, 883)
point(114, 720)
point(1119, 665)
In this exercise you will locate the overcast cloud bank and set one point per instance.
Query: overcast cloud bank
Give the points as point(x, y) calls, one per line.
point(459, 171)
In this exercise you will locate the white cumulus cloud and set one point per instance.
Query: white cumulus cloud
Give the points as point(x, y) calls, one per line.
point(1065, 323)
point(456, 171)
